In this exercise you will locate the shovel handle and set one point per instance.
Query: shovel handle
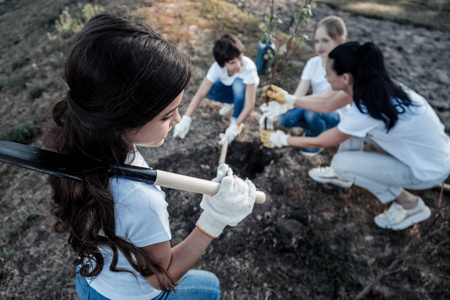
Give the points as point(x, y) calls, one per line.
point(195, 185)
point(223, 153)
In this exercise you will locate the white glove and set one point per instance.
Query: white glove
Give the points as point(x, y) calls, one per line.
point(278, 139)
point(182, 128)
point(271, 138)
point(265, 124)
point(233, 202)
point(230, 134)
point(273, 109)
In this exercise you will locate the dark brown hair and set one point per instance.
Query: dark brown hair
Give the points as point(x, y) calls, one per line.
point(374, 92)
point(228, 47)
point(120, 76)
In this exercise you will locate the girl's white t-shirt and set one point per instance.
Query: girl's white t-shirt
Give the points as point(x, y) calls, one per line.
point(141, 218)
point(248, 74)
point(315, 72)
point(417, 139)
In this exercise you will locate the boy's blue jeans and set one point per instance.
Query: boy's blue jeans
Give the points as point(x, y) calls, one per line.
point(235, 93)
point(314, 123)
point(195, 285)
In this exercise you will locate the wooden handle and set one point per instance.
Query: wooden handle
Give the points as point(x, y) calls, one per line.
point(195, 185)
point(223, 153)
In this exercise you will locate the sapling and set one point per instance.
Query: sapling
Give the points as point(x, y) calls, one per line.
point(301, 16)
point(266, 45)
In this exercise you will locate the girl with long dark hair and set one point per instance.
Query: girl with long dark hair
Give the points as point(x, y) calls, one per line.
point(390, 115)
point(125, 85)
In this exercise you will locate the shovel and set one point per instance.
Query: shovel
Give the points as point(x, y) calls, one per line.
point(223, 153)
point(60, 165)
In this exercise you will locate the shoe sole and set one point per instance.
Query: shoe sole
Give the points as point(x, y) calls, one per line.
point(423, 215)
point(337, 182)
point(225, 112)
point(310, 154)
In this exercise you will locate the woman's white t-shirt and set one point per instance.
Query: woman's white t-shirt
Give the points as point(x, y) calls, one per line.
point(417, 139)
point(248, 74)
point(141, 218)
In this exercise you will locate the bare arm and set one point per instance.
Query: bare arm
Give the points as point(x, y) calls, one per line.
point(330, 137)
point(179, 259)
point(325, 102)
point(201, 93)
point(250, 96)
point(302, 88)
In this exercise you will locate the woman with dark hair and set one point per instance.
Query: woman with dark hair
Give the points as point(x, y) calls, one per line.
point(125, 85)
point(393, 117)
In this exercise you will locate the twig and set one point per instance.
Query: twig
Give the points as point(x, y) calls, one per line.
point(298, 19)
point(403, 256)
point(386, 271)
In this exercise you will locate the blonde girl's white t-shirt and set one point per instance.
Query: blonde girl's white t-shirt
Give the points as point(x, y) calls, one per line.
point(417, 139)
point(315, 72)
point(248, 74)
point(141, 218)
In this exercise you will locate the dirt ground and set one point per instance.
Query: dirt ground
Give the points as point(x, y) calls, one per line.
point(308, 241)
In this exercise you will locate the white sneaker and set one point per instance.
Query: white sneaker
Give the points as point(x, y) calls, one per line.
point(226, 108)
point(310, 152)
point(398, 218)
point(327, 175)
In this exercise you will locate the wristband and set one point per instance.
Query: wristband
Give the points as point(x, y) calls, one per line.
point(209, 225)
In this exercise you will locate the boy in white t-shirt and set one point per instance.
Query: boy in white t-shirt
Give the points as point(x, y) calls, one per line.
point(232, 79)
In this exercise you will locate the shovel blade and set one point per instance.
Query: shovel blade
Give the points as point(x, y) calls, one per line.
point(40, 160)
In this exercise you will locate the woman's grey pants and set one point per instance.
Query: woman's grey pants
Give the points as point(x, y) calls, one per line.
point(381, 174)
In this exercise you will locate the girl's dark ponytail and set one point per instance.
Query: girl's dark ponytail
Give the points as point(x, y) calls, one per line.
point(374, 92)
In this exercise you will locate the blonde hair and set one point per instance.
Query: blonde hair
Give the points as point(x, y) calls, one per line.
point(334, 26)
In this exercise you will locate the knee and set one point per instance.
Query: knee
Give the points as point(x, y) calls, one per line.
point(212, 287)
point(205, 281)
point(311, 116)
point(283, 121)
point(238, 88)
point(340, 162)
point(212, 278)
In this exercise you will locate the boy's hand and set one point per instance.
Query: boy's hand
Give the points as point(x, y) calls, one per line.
point(272, 139)
point(230, 134)
point(275, 93)
point(182, 128)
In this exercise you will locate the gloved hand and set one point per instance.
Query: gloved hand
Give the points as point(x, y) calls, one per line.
point(272, 139)
point(230, 134)
point(273, 109)
point(182, 128)
point(275, 93)
point(265, 123)
point(233, 202)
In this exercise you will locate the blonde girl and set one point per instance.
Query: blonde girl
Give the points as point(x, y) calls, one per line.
point(314, 112)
